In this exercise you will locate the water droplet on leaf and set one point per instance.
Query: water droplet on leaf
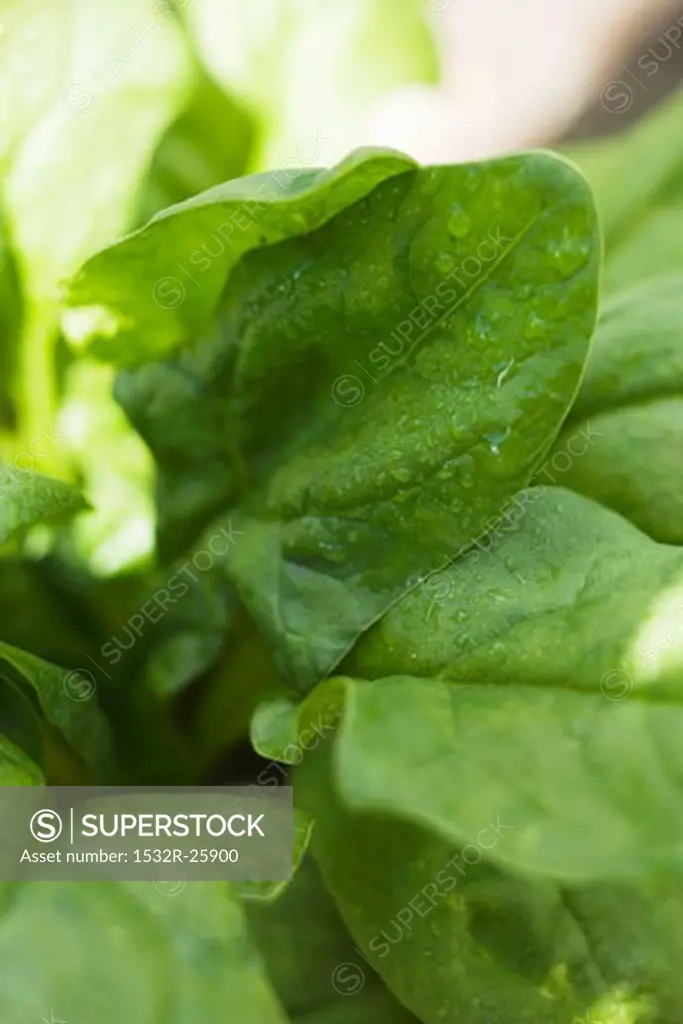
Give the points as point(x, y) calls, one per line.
point(495, 440)
point(459, 223)
point(445, 263)
point(535, 327)
point(570, 254)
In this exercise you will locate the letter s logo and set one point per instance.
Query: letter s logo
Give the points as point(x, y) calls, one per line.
point(46, 826)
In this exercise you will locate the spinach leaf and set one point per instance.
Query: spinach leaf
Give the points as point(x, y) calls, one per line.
point(313, 965)
point(504, 613)
point(552, 654)
point(29, 498)
point(630, 406)
point(138, 952)
point(45, 626)
point(637, 349)
point(471, 290)
point(459, 940)
point(574, 814)
point(650, 251)
point(342, 385)
point(269, 893)
point(633, 465)
point(127, 306)
point(59, 700)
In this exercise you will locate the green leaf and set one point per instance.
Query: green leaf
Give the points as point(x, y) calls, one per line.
point(633, 465)
point(659, 233)
point(458, 940)
point(139, 952)
point(30, 498)
point(92, 106)
point(285, 731)
point(274, 728)
point(549, 686)
point(16, 769)
point(373, 497)
point(116, 472)
point(244, 676)
point(209, 143)
point(636, 353)
point(349, 506)
point(47, 625)
point(653, 153)
point(10, 325)
point(528, 755)
point(63, 699)
point(641, 211)
point(314, 967)
point(631, 404)
point(269, 892)
point(74, 147)
point(310, 73)
point(556, 567)
point(128, 302)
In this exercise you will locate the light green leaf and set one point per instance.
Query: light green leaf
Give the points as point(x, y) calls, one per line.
point(10, 325)
point(653, 249)
point(134, 952)
point(117, 473)
point(633, 465)
point(309, 72)
point(209, 143)
point(285, 731)
point(30, 498)
point(353, 501)
point(637, 350)
point(274, 728)
point(630, 407)
point(269, 892)
point(458, 940)
point(107, 83)
point(587, 786)
point(641, 210)
point(653, 153)
point(74, 145)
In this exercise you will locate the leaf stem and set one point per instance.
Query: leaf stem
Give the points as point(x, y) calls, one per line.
point(37, 391)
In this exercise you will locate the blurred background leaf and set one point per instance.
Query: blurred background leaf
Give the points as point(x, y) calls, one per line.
point(308, 72)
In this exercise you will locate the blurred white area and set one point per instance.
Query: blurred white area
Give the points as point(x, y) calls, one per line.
point(515, 73)
point(512, 73)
